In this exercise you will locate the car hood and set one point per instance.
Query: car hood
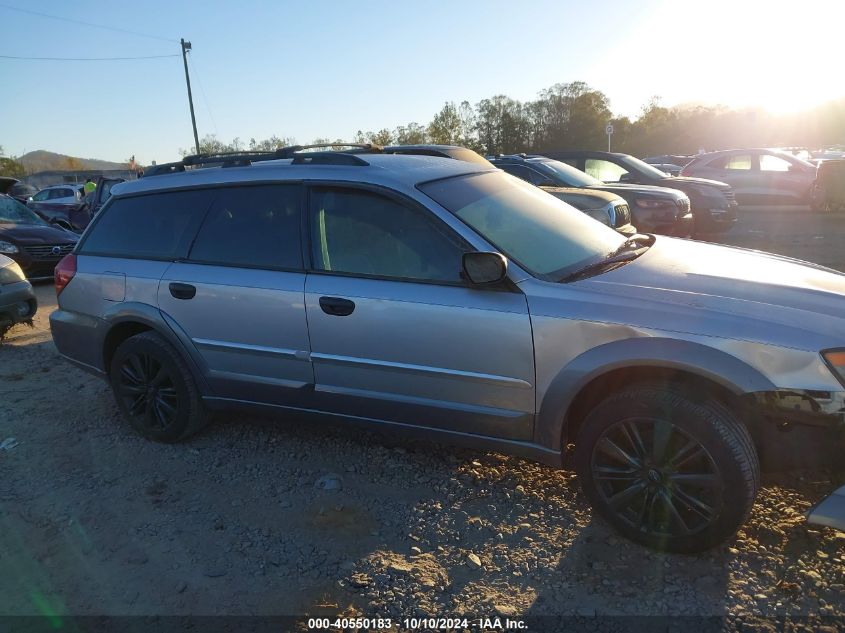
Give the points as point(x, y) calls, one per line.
point(729, 292)
point(30, 234)
point(681, 181)
point(583, 198)
point(623, 189)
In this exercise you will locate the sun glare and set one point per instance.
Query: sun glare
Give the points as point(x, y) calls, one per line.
point(782, 56)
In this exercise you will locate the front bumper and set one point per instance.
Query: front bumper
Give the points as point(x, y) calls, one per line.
point(830, 512)
point(715, 217)
point(38, 268)
point(17, 302)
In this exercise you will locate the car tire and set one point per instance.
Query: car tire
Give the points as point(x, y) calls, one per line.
point(667, 471)
point(155, 389)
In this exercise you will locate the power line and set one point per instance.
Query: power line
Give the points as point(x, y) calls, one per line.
point(92, 25)
point(193, 65)
point(86, 59)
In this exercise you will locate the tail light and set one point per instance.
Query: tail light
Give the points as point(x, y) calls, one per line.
point(64, 272)
point(685, 171)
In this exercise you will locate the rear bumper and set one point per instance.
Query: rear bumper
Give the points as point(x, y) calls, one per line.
point(17, 302)
point(830, 512)
point(77, 337)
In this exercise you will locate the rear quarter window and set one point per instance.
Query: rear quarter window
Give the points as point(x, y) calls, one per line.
point(153, 226)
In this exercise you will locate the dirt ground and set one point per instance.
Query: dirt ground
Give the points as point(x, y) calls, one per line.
point(258, 516)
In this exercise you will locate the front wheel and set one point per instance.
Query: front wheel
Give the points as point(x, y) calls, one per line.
point(155, 390)
point(666, 471)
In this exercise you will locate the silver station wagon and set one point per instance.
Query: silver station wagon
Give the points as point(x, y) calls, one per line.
point(450, 300)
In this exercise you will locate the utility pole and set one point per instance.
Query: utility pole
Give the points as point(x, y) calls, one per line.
point(186, 46)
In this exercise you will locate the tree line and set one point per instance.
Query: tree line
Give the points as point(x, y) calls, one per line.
point(575, 115)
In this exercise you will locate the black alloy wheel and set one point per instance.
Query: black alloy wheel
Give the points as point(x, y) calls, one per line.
point(147, 391)
point(657, 478)
point(667, 466)
point(155, 389)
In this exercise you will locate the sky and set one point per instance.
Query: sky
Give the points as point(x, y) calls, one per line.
point(327, 68)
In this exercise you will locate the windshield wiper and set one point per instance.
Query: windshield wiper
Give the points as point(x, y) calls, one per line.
point(630, 249)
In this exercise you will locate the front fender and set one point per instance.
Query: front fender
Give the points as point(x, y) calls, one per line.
point(687, 356)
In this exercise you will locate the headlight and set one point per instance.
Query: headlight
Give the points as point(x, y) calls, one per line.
point(644, 203)
point(835, 359)
point(8, 247)
point(601, 215)
point(11, 274)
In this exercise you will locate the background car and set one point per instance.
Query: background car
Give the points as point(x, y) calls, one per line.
point(713, 204)
point(34, 244)
point(607, 208)
point(829, 188)
point(759, 177)
point(653, 209)
point(668, 159)
point(62, 204)
point(17, 300)
point(17, 189)
point(444, 151)
point(97, 198)
point(669, 168)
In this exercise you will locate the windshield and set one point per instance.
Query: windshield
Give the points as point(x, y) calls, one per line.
point(566, 175)
point(635, 164)
point(13, 212)
point(539, 232)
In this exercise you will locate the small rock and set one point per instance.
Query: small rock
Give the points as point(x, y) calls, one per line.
point(181, 586)
point(330, 481)
point(401, 567)
point(214, 571)
point(505, 610)
point(473, 561)
point(822, 555)
point(137, 559)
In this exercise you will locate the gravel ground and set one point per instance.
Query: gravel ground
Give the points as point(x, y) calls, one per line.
point(258, 516)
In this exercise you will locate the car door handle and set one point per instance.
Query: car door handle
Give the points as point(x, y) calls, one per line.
point(182, 291)
point(336, 306)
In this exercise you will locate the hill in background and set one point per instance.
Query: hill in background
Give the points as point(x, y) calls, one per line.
point(42, 160)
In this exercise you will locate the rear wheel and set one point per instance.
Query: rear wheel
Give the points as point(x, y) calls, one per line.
point(667, 472)
point(155, 389)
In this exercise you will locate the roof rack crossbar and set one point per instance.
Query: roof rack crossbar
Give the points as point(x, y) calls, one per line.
point(298, 152)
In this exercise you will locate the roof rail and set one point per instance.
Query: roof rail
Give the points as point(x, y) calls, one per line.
point(297, 152)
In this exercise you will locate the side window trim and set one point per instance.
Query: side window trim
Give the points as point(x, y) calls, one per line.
point(308, 245)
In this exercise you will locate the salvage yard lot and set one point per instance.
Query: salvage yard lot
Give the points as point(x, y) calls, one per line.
point(258, 516)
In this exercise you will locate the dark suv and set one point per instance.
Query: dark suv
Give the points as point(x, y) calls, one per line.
point(713, 202)
point(652, 209)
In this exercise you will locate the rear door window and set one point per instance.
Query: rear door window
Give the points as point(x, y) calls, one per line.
point(252, 226)
point(768, 162)
point(739, 162)
point(156, 226)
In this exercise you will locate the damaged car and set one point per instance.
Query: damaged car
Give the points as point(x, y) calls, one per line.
point(445, 299)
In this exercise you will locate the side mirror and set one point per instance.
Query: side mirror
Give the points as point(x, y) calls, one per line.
point(483, 268)
point(626, 177)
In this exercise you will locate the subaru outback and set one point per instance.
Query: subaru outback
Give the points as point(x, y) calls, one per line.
point(446, 299)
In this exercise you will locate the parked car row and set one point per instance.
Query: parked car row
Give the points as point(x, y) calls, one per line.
point(35, 244)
